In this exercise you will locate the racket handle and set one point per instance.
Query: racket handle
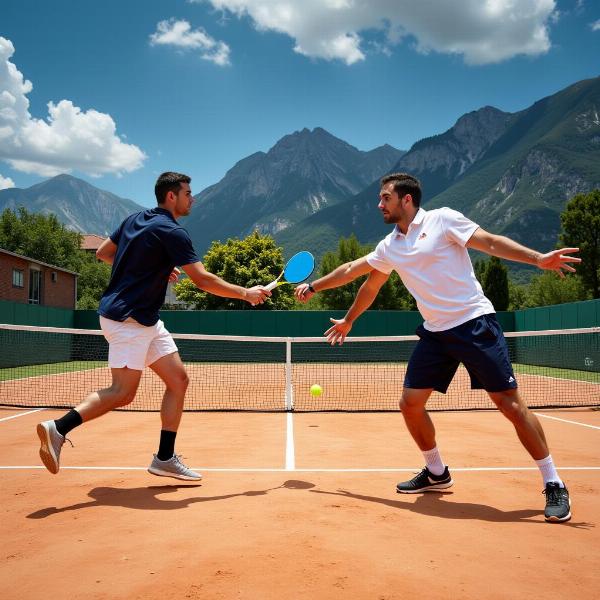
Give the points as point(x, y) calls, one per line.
point(271, 285)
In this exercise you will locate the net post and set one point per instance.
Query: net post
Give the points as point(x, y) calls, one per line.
point(289, 393)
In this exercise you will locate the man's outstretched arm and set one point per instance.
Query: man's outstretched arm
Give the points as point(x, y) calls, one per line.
point(503, 247)
point(341, 276)
point(213, 284)
point(364, 298)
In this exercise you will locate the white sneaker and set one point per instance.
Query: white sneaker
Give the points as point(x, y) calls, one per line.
point(172, 468)
point(52, 442)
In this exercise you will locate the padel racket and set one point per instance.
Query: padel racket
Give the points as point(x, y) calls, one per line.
point(297, 269)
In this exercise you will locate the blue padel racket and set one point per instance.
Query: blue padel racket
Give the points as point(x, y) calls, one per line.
point(297, 269)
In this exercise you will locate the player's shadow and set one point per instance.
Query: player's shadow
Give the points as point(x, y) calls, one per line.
point(147, 498)
point(434, 504)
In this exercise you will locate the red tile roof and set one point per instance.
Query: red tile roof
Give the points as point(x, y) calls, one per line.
point(91, 241)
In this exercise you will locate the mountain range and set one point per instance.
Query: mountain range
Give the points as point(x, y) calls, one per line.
point(79, 205)
point(548, 153)
point(512, 173)
point(302, 174)
point(437, 161)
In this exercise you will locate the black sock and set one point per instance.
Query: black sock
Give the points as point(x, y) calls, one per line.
point(68, 422)
point(166, 449)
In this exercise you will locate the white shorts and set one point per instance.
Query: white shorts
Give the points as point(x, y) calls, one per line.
point(135, 346)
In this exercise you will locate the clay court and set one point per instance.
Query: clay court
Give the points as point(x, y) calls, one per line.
point(298, 498)
point(296, 505)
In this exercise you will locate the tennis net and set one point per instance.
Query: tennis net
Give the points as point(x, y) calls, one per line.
point(52, 367)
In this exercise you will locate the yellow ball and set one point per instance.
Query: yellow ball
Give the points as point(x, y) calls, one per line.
point(316, 389)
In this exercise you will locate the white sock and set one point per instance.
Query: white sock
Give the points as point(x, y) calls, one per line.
point(548, 470)
point(434, 461)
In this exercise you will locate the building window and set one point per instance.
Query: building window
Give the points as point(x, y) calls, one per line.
point(17, 278)
point(35, 286)
point(54, 276)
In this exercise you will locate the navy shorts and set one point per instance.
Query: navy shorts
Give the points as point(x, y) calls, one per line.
point(479, 344)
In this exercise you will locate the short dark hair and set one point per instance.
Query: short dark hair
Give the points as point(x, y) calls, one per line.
point(404, 184)
point(169, 182)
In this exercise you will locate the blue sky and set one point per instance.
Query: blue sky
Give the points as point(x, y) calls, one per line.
point(142, 86)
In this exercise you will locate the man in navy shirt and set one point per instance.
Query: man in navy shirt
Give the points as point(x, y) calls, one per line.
point(145, 251)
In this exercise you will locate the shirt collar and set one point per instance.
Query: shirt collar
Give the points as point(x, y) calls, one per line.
point(419, 216)
point(162, 211)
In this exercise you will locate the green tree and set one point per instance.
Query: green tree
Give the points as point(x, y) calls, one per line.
point(479, 267)
point(548, 288)
point(495, 283)
point(518, 296)
point(41, 237)
point(255, 260)
point(92, 281)
point(581, 229)
point(392, 296)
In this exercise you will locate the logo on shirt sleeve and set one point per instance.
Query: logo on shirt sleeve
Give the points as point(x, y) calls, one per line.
point(422, 236)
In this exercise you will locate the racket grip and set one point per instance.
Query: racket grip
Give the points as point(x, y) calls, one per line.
point(271, 285)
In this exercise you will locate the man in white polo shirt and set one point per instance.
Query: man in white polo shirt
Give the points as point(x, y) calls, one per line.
point(428, 249)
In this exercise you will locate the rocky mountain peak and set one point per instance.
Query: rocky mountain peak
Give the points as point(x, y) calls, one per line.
point(302, 173)
point(76, 203)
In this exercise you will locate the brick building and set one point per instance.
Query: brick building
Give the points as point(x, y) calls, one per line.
point(30, 281)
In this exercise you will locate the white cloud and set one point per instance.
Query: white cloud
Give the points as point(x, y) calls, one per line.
point(595, 25)
point(482, 31)
point(6, 182)
point(179, 33)
point(70, 139)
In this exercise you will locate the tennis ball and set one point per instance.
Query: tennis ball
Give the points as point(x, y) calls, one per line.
point(316, 389)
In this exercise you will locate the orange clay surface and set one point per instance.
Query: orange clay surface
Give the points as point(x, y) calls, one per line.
point(319, 531)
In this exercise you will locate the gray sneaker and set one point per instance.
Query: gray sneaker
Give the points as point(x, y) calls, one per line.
point(52, 442)
point(172, 468)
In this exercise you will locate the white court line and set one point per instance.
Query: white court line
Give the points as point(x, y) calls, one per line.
point(566, 421)
point(22, 414)
point(290, 456)
point(268, 470)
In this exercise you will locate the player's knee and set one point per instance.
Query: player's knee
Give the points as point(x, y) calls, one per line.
point(410, 405)
point(120, 395)
point(185, 380)
point(179, 381)
point(123, 399)
point(511, 408)
point(403, 404)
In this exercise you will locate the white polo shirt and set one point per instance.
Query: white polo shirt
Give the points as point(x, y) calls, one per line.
point(435, 267)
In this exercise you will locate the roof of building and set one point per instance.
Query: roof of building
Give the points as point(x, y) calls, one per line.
point(39, 262)
point(91, 241)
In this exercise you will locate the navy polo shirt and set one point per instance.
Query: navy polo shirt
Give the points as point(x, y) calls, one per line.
point(149, 245)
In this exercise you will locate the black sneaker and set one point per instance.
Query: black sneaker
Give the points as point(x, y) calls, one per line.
point(558, 505)
point(425, 481)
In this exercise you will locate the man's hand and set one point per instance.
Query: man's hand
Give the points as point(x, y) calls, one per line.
point(256, 295)
point(338, 332)
point(557, 261)
point(302, 293)
point(174, 276)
